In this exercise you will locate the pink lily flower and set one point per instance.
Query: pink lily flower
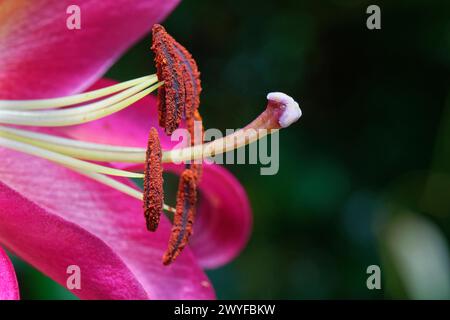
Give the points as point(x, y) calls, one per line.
point(53, 217)
point(68, 214)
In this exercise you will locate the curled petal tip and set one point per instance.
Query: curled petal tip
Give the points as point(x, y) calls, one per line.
point(291, 110)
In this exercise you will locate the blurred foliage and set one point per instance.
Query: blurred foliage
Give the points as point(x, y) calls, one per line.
point(374, 137)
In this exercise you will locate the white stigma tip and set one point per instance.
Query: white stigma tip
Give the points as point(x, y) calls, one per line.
point(291, 108)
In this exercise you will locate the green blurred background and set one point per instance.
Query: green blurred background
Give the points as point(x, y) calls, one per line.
point(364, 175)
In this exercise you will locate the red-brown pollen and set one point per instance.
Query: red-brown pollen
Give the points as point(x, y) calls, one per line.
point(184, 216)
point(180, 95)
point(153, 182)
point(191, 80)
point(178, 99)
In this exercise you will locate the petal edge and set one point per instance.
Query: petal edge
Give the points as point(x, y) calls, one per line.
point(9, 288)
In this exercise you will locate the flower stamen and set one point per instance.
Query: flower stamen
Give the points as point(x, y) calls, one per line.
point(65, 160)
point(180, 96)
point(191, 80)
point(184, 216)
point(94, 171)
point(153, 182)
point(75, 148)
point(79, 115)
point(72, 100)
point(171, 97)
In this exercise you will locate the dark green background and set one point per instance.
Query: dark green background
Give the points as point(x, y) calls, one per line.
point(370, 155)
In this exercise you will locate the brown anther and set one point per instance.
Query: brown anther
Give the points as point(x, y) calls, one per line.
point(153, 182)
point(180, 95)
point(184, 216)
point(171, 96)
point(191, 80)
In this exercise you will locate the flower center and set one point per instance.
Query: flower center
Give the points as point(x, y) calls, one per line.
point(179, 87)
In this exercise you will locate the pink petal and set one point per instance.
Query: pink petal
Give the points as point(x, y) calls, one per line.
point(42, 58)
point(54, 218)
point(224, 217)
point(9, 289)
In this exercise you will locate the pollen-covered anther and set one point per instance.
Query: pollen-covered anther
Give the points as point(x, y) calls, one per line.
point(180, 96)
point(191, 80)
point(171, 97)
point(184, 216)
point(153, 182)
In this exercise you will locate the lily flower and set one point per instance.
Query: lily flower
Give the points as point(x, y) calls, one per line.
point(59, 207)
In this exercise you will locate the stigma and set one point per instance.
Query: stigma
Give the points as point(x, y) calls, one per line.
point(290, 109)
